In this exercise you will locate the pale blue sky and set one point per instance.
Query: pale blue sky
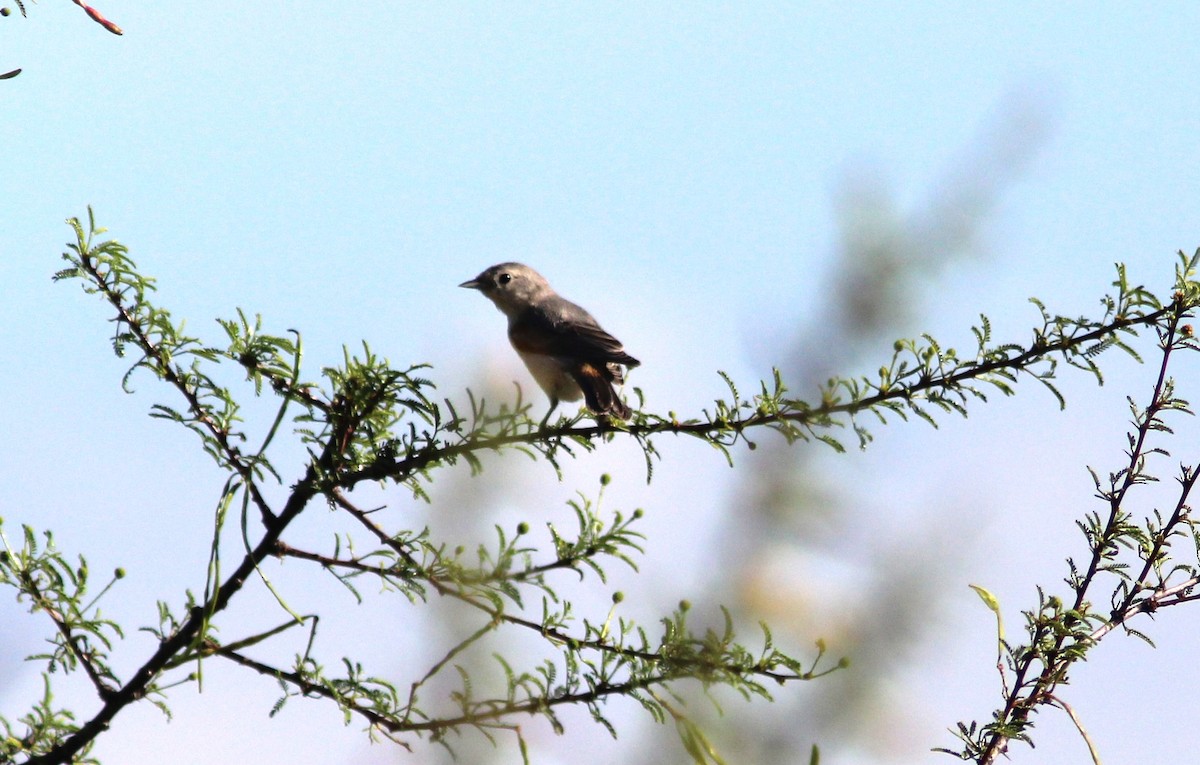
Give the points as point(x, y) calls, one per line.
point(679, 169)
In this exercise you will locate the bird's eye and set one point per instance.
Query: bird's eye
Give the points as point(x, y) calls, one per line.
point(505, 278)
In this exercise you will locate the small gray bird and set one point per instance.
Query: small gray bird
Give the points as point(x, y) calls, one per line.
point(564, 348)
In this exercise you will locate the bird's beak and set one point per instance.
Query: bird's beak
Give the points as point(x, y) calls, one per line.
point(471, 284)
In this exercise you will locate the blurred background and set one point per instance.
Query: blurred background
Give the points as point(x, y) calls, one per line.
point(726, 187)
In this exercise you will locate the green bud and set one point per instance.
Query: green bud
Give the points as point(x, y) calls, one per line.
point(639, 513)
point(605, 479)
point(617, 597)
point(685, 605)
point(119, 573)
point(522, 528)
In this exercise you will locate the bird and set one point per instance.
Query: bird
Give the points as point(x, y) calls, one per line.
point(565, 349)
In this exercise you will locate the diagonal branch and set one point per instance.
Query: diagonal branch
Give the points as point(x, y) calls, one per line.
point(1025, 695)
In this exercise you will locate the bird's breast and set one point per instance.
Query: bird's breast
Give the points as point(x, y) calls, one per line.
point(552, 375)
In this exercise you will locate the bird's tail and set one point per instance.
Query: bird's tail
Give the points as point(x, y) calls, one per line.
point(598, 391)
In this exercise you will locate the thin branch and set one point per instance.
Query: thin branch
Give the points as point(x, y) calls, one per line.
point(400, 469)
point(142, 680)
point(499, 708)
point(497, 614)
point(71, 641)
point(230, 453)
point(1018, 703)
point(1163, 598)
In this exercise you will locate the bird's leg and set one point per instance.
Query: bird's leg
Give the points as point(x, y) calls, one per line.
point(550, 411)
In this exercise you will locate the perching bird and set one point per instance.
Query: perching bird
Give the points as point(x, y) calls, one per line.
point(564, 348)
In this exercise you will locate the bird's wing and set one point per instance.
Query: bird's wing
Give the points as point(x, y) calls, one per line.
point(565, 330)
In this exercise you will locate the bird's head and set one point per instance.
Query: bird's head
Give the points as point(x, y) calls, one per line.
point(513, 287)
